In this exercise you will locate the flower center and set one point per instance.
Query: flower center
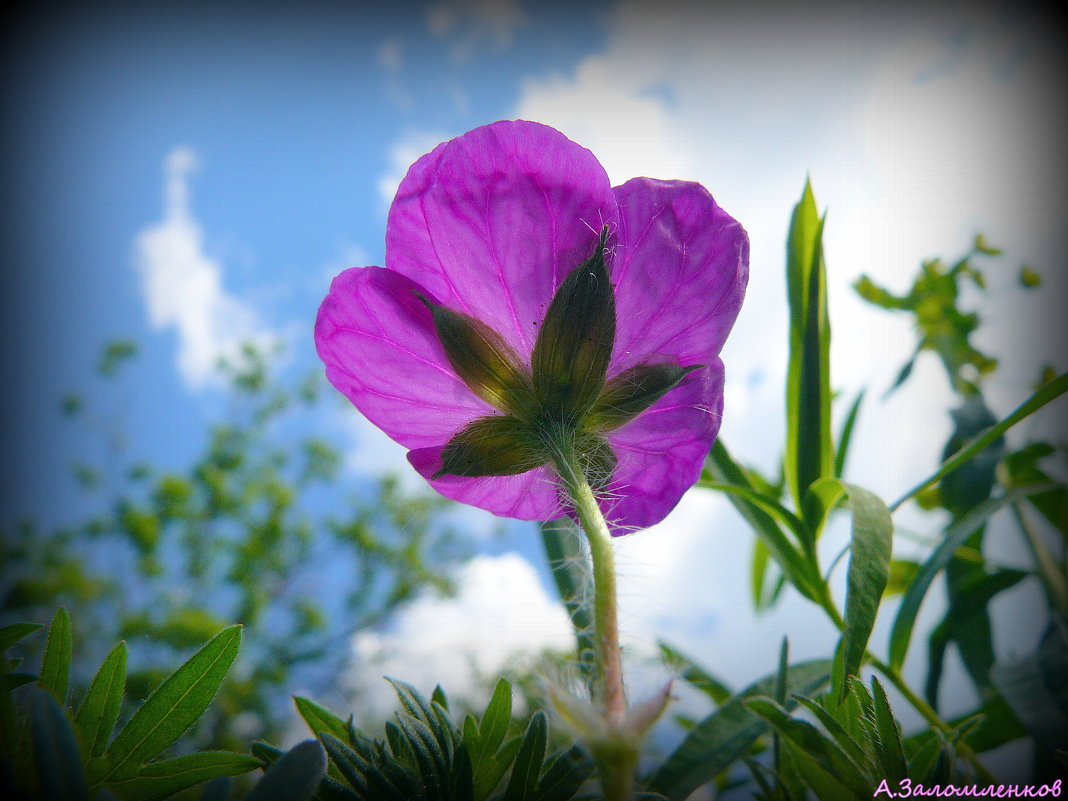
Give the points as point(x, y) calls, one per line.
point(564, 403)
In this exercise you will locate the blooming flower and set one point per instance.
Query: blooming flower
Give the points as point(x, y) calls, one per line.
point(527, 306)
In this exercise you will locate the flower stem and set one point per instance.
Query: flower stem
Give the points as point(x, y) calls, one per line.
point(615, 764)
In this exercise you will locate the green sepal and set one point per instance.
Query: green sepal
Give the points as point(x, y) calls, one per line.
point(633, 391)
point(481, 358)
point(574, 345)
point(596, 458)
point(491, 446)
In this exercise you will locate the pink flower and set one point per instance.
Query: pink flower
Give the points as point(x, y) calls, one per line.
point(492, 336)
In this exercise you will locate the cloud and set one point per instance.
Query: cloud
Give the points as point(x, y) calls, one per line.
point(500, 613)
point(916, 136)
point(402, 155)
point(474, 23)
point(182, 286)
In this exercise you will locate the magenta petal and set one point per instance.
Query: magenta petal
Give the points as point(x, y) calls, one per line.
point(378, 343)
point(661, 451)
point(491, 222)
point(680, 269)
point(533, 495)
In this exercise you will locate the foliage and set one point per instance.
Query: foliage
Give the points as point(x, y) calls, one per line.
point(860, 740)
point(424, 755)
point(53, 751)
point(238, 535)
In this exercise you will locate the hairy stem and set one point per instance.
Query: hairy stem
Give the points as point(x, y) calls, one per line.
point(616, 768)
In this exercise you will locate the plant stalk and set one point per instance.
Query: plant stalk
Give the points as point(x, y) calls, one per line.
point(615, 767)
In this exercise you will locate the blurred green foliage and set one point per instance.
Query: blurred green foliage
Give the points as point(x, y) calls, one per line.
point(259, 528)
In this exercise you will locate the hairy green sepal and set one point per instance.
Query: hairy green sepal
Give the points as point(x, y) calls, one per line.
point(564, 403)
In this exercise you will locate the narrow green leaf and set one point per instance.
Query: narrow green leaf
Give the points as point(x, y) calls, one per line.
point(809, 453)
point(845, 436)
point(808, 738)
point(869, 569)
point(9, 635)
point(159, 780)
point(320, 719)
point(57, 764)
point(848, 745)
point(1049, 392)
point(99, 711)
point(968, 607)
point(494, 723)
point(430, 758)
point(55, 665)
point(953, 537)
point(438, 697)
point(821, 498)
point(294, 777)
point(724, 470)
point(719, 740)
point(891, 752)
point(573, 575)
point(352, 765)
point(1036, 687)
point(567, 771)
point(694, 674)
point(998, 725)
point(526, 770)
point(172, 708)
point(822, 783)
point(758, 571)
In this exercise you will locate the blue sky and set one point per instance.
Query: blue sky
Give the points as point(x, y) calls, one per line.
point(232, 157)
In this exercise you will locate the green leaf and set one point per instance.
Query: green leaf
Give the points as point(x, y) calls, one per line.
point(891, 752)
point(845, 437)
point(694, 674)
point(99, 712)
point(567, 771)
point(570, 566)
point(294, 777)
point(55, 665)
point(159, 780)
point(526, 770)
point(320, 720)
point(848, 745)
point(1036, 687)
point(869, 569)
point(953, 537)
point(9, 635)
point(175, 706)
point(1046, 394)
point(57, 764)
point(494, 723)
point(809, 452)
point(967, 607)
point(723, 469)
point(720, 739)
point(811, 741)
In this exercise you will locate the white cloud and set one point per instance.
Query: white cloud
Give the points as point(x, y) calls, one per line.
point(500, 615)
point(182, 285)
point(402, 155)
point(390, 55)
point(476, 23)
point(916, 136)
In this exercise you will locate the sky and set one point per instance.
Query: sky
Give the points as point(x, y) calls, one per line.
point(191, 175)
